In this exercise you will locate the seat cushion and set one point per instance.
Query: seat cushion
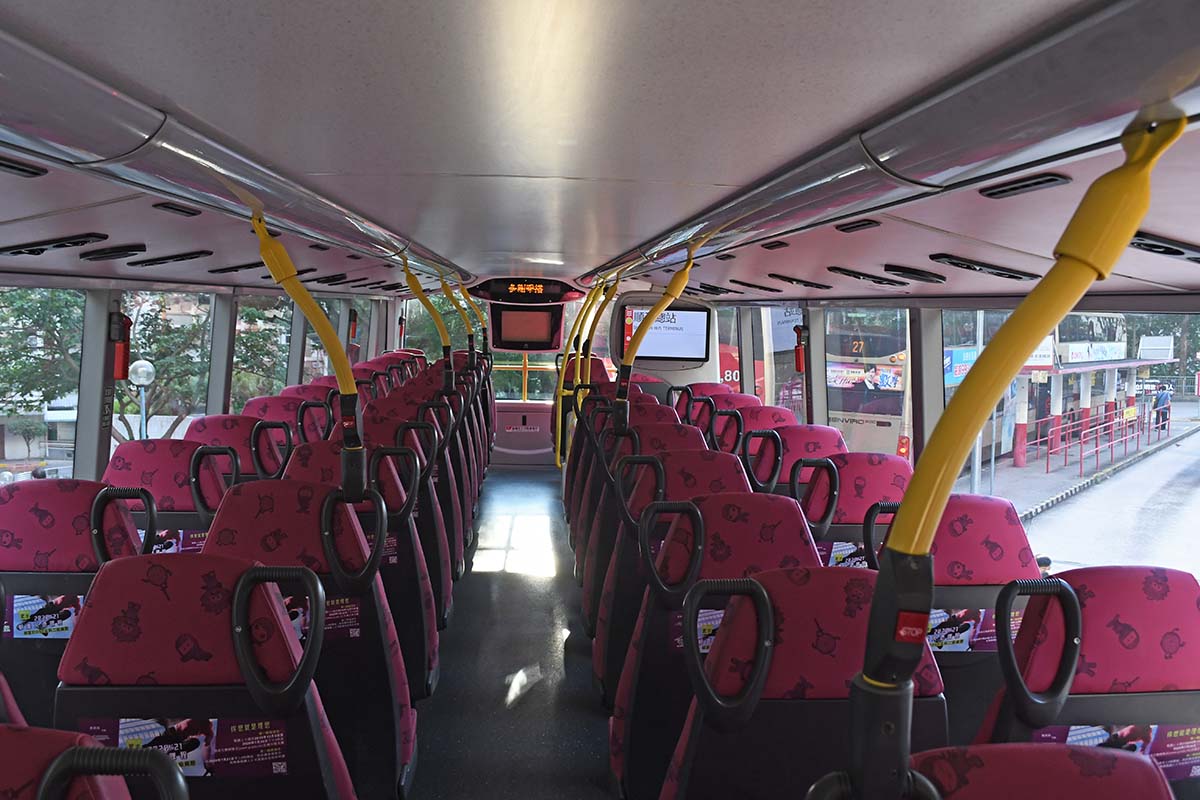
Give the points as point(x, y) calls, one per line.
point(45, 526)
point(26, 754)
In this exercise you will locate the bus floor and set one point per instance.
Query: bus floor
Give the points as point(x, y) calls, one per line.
point(515, 714)
point(1144, 514)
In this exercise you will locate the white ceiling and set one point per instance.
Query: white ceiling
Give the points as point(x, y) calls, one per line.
point(511, 134)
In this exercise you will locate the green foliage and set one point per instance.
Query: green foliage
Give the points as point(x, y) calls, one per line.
point(28, 428)
point(260, 348)
point(421, 332)
point(41, 334)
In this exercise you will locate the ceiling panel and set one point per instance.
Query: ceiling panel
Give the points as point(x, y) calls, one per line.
point(702, 94)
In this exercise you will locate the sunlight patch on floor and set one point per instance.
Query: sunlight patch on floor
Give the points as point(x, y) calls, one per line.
point(519, 544)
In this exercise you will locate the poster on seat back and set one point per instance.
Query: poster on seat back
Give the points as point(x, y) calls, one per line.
point(177, 541)
point(1176, 748)
point(966, 630)
point(842, 554)
point(707, 623)
point(231, 748)
point(37, 617)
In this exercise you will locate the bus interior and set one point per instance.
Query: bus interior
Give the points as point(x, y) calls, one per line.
point(561, 399)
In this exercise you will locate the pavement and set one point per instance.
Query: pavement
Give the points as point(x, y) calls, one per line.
point(1144, 514)
point(1034, 491)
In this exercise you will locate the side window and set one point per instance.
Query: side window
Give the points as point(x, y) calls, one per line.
point(360, 327)
point(316, 360)
point(260, 348)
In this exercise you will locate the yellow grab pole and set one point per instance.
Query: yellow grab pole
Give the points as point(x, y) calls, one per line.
point(1101, 229)
point(572, 340)
point(462, 313)
point(478, 313)
point(591, 334)
point(414, 286)
point(582, 345)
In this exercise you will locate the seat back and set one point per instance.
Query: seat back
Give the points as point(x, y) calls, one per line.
point(599, 374)
point(798, 441)
point(10, 711)
point(864, 479)
point(702, 413)
point(153, 663)
point(286, 409)
point(238, 431)
point(820, 633)
point(750, 418)
point(164, 468)
point(685, 403)
point(27, 753)
point(1004, 771)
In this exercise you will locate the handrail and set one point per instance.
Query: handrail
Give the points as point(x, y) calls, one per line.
point(462, 289)
point(591, 335)
point(414, 286)
point(1103, 225)
point(559, 394)
point(448, 293)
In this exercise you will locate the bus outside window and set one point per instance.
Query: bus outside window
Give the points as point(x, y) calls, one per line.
point(867, 378)
point(260, 348)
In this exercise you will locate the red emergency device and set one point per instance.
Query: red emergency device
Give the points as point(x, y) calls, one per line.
point(119, 327)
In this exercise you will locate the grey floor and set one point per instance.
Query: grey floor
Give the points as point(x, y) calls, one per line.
point(515, 715)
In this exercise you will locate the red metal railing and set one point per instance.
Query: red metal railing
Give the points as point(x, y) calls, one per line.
point(1102, 429)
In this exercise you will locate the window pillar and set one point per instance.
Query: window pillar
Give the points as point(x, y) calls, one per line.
point(295, 365)
point(93, 422)
point(220, 365)
point(816, 388)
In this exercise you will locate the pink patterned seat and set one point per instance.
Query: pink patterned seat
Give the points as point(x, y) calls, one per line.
point(864, 479)
point(286, 409)
point(729, 433)
point(798, 729)
point(798, 441)
point(702, 413)
point(167, 621)
point(27, 753)
point(743, 534)
point(237, 431)
point(685, 404)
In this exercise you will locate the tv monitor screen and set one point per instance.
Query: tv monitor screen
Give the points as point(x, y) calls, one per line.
point(525, 326)
point(677, 334)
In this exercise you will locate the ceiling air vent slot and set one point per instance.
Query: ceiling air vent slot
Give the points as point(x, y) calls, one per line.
point(354, 257)
point(778, 244)
point(321, 247)
point(725, 257)
point(798, 281)
point(1163, 246)
point(311, 280)
point(115, 253)
point(191, 255)
point(710, 289)
point(971, 265)
point(175, 208)
point(299, 272)
point(238, 268)
point(329, 280)
point(274, 234)
point(856, 225)
point(1030, 183)
point(878, 280)
point(37, 248)
point(390, 287)
point(755, 286)
point(913, 274)
point(21, 169)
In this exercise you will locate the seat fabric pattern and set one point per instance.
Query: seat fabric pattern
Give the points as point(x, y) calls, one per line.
point(755, 418)
point(801, 441)
point(45, 526)
point(980, 541)
point(26, 754)
point(12, 712)
point(284, 408)
point(865, 479)
point(1005, 771)
point(598, 373)
point(163, 467)
point(236, 431)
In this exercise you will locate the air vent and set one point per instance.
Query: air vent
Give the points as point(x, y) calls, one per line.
point(115, 253)
point(725, 257)
point(971, 265)
point(391, 287)
point(37, 248)
point(274, 234)
point(191, 255)
point(328, 279)
point(311, 280)
point(354, 257)
point(755, 286)
point(914, 274)
point(270, 277)
point(856, 225)
point(21, 169)
point(175, 208)
point(878, 280)
point(238, 268)
point(1031, 183)
point(1160, 245)
point(321, 247)
point(798, 281)
point(775, 245)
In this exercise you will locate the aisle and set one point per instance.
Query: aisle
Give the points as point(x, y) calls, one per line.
point(515, 715)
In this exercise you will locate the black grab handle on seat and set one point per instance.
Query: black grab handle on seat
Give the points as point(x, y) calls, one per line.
point(727, 714)
point(366, 387)
point(673, 395)
point(704, 401)
point(76, 761)
point(277, 698)
point(198, 457)
point(740, 424)
point(309, 405)
point(397, 373)
point(429, 445)
point(771, 435)
point(259, 427)
point(410, 491)
point(882, 507)
point(660, 484)
point(575, 390)
point(96, 518)
point(353, 582)
point(1038, 709)
point(671, 595)
point(822, 525)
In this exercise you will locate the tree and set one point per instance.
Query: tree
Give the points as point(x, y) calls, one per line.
point(29, 429)
point(41, 335)
point(260, 349)
point(420, 332)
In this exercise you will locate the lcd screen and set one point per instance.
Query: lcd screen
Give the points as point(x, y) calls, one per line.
point(677, 334)
point(533, 327)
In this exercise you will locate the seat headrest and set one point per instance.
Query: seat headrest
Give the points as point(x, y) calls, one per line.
point(163, 467)
point(744, 534)
point(1137, 626)
point(236, 431)
point(865, 479)
point(640, 413)
point(821, 618)
point(321, 462)
point(659, 437)
point(757, 418)
point(801, 441)
point(167, 620)
point(26, 754)
point(45, 526)
point(980, 541)
point(305, 391)
point(1003, 771)
point(688, 473)
point(278, 522)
